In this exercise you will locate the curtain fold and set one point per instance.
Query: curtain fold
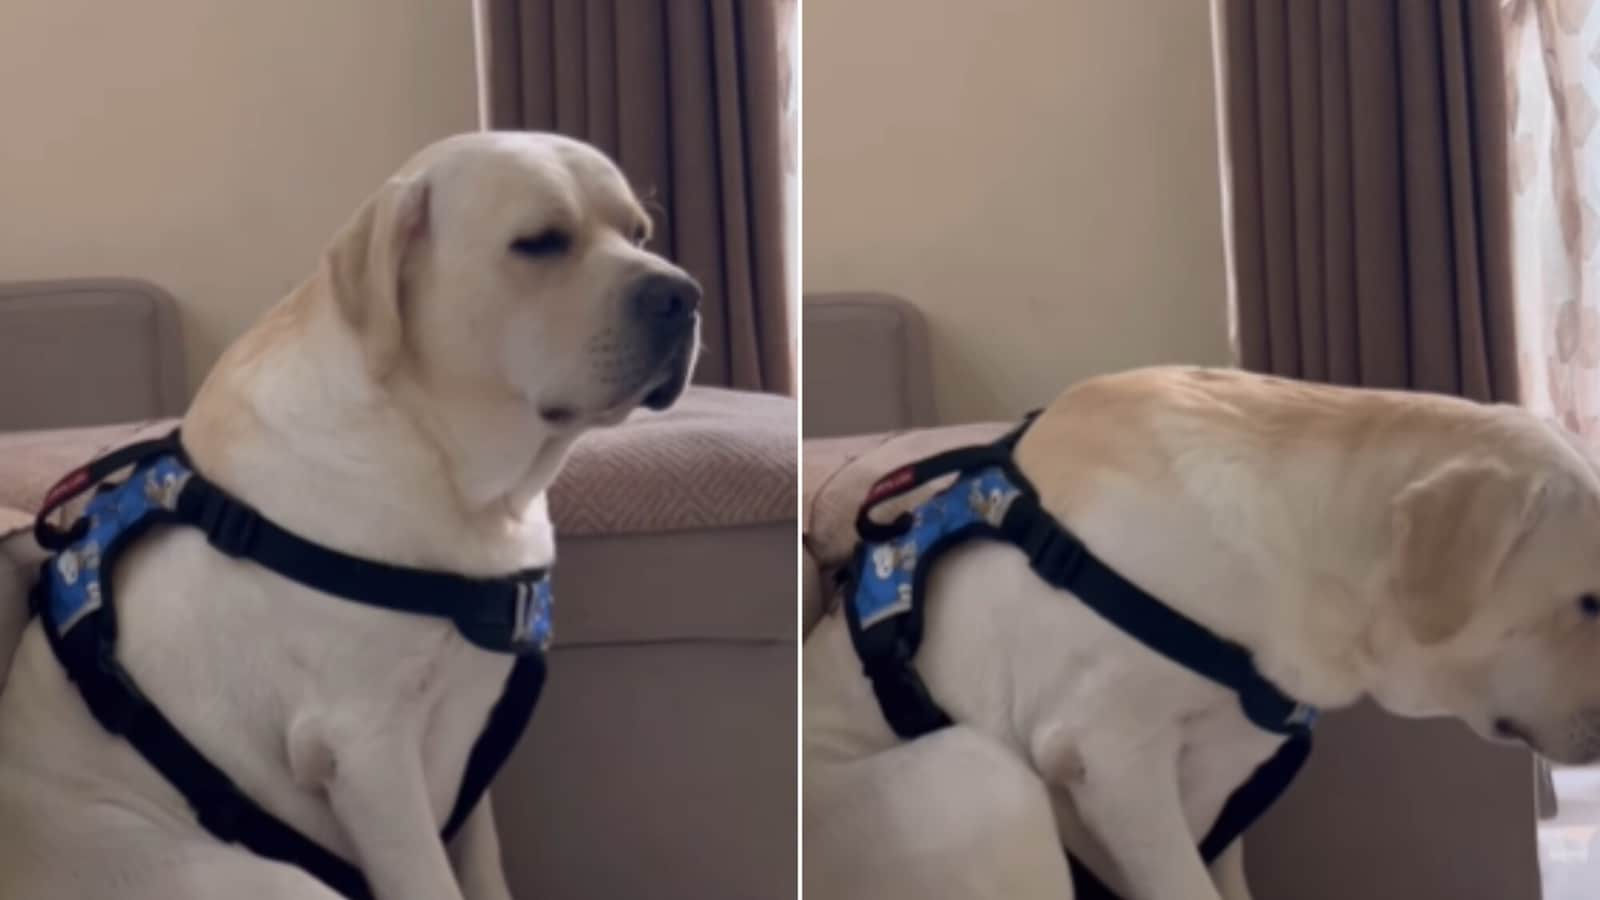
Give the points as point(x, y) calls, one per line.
point(685, 96)
point(1366, 167)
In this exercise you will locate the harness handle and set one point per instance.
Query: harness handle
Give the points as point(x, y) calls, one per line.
point(908, 478)
point(81, 479)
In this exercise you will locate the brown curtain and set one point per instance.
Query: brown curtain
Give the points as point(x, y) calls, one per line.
point(1369, 210)
point(1366, 163)
point(685, 95)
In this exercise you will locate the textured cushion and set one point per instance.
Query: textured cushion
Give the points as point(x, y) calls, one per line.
point(32, 461)
point(13, 520)
point(718, 459)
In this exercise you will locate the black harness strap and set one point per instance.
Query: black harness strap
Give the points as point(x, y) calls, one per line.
point(506, 723)
point(485, 610)
point(1058, 557)
point(887, 647)
point(219, 805)
point(87, 651)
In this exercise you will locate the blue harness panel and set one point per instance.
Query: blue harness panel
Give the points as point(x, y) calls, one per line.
point(885, 586)
point(75, 576)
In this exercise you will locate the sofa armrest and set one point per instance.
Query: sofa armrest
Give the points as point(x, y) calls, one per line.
point(866, 365)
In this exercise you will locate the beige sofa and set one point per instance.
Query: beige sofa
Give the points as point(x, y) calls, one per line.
point(1385, 809)
point(661, 761)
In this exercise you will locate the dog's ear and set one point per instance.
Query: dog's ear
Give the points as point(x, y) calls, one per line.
point(366, 265)
point(1452, 531)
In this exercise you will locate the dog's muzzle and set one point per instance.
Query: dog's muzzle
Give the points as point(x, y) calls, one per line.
point(666, 306)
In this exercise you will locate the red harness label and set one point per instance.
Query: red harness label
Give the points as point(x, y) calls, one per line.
point(65, 489)
point(892, 483)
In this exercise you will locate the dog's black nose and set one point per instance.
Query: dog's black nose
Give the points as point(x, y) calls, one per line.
point(666, 299)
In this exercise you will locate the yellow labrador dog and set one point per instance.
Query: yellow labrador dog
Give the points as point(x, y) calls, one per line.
point(1439, 556)
point(409, 403)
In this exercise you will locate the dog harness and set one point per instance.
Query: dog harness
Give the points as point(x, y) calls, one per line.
point(74, 600)
point(991, 499)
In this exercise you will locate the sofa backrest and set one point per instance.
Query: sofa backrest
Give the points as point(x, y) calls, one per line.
point(98, 351)
point(866, 365)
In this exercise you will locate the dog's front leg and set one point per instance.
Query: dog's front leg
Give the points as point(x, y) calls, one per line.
point(380, 797)
point(1228, 872)
point(1129, 798)
point(475, 851)
point(19, 566)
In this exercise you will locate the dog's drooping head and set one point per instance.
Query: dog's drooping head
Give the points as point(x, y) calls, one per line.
point(1497, 575)
point(512, 264)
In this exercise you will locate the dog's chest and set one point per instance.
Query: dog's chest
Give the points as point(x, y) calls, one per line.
point(466, 687)
point(1220, 750)
point(280, 686)
point(429, 701)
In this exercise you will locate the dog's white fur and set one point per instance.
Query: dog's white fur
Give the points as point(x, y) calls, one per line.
point(1424, 551)
point(410, 402)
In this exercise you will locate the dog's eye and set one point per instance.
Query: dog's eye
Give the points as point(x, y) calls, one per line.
point(1589, 604)
point(641, 233)
point(550, 242)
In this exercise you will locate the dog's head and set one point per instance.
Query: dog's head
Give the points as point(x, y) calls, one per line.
point(512, 265)
point(1496, 573)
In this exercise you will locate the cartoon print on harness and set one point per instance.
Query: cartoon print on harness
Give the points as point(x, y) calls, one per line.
point(894, 563)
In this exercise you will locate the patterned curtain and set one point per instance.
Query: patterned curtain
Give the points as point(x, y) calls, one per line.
point(1553, 98)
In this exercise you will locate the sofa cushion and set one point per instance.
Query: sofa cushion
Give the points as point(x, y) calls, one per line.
point(718, 459)
point(32, 461)
point(720, 584)
point(13, 521)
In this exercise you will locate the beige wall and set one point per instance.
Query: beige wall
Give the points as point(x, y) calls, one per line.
point(212, 147)
point(1040, 176)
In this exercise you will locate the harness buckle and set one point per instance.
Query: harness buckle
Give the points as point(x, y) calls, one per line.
point(229, 526)
point(1053, 553)
point(1303, 717)
point(522, 613)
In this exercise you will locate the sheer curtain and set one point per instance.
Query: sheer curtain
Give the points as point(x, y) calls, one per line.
point(1553, 95)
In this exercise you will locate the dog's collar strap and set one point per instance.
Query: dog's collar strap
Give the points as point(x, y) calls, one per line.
point(508, 614)
point(991, 498)
point(74, 600)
